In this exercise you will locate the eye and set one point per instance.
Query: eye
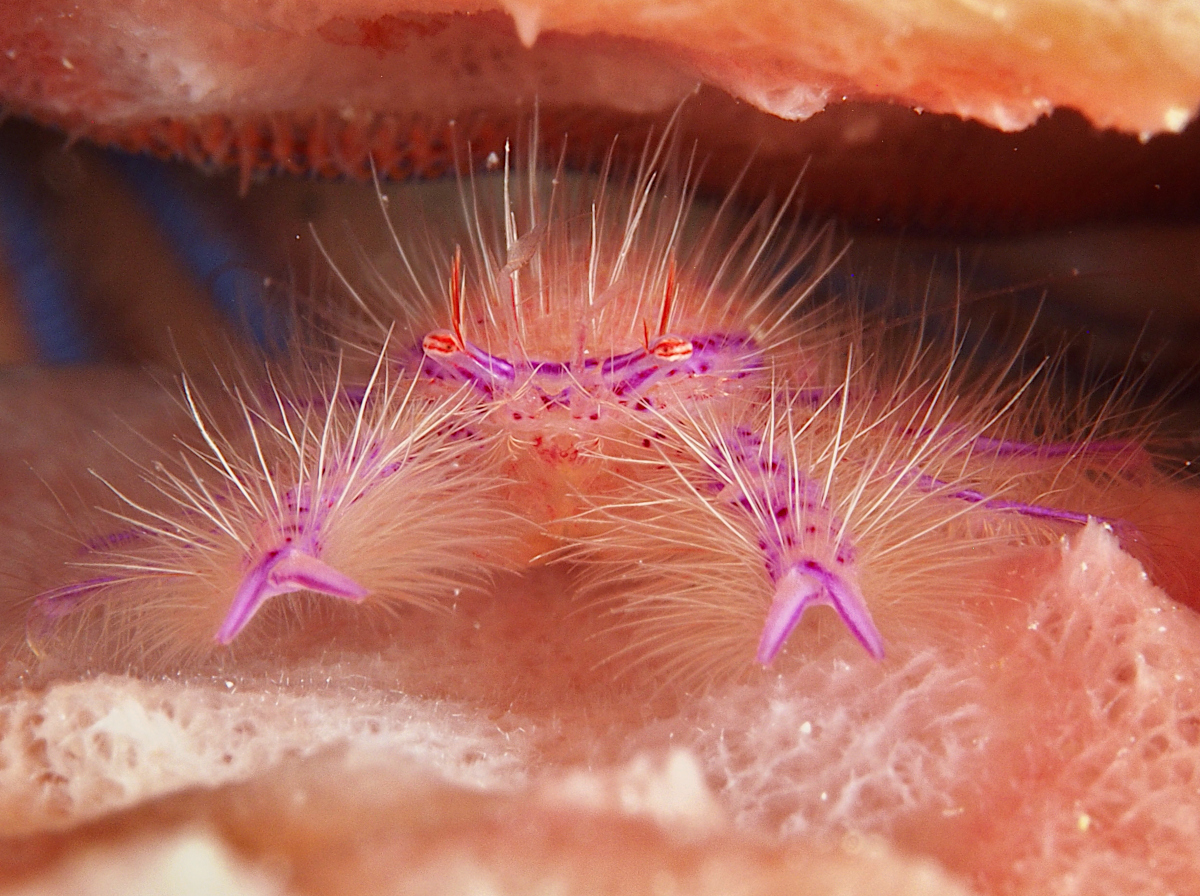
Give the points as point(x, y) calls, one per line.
point(671, 348)
point(440, 343)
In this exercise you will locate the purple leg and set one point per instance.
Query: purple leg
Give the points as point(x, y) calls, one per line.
point(60, 602)
point(1013, 448)
point(807, 552)
point(1036, 511)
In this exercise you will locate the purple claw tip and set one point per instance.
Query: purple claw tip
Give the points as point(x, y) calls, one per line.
point(283, 572)
point(794, 593)
point(800, 588)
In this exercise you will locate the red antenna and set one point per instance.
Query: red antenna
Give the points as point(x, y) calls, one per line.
point(668, 298)
point(456, 297)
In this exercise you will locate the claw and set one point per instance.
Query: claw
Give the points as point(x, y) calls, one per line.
point(283, 572)
point(808, 584)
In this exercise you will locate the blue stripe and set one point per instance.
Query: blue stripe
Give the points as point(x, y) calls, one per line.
point(44, 291)
point(207, 252)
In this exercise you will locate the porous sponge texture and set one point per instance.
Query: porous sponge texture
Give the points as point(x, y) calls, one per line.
point(80, 750)
point(1057, 752)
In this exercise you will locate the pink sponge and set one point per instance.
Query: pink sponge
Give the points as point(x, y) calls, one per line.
point(1049, 743)
point(1056, 750)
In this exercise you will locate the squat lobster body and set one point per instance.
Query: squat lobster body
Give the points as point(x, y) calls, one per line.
point(613, 379)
